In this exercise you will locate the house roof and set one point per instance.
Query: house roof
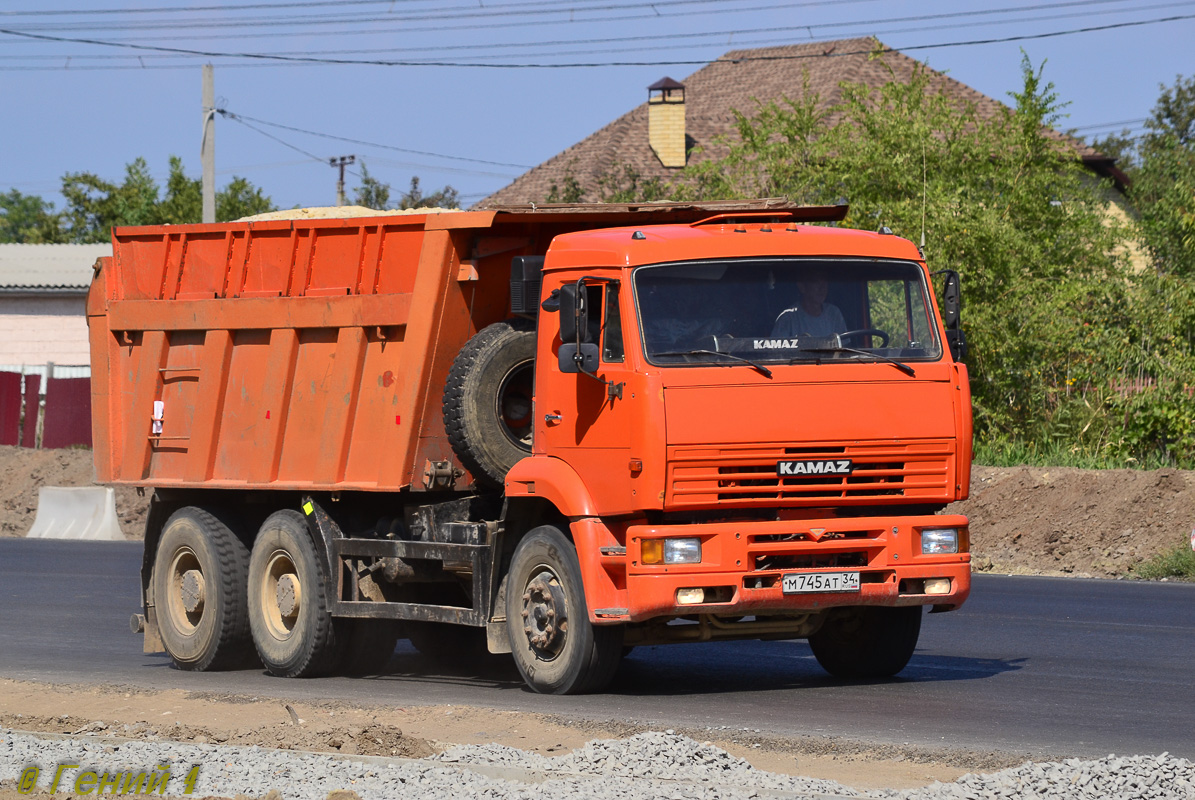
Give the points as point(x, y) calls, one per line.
point(55, 268)
point(739, 80)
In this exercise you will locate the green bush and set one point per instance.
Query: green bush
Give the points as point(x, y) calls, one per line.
point(1177, 563)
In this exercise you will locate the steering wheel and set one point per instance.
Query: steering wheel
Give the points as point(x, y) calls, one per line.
point(867, 332)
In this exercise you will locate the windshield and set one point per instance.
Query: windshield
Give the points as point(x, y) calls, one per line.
point(784, 311)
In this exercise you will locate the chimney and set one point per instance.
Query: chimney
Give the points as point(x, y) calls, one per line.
point(666, 121)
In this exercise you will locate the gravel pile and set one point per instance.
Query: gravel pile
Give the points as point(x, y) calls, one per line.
point(1123, 778)
point(654, 756)
point(649, 766)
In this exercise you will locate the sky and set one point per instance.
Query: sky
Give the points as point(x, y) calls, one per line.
point(511, 83)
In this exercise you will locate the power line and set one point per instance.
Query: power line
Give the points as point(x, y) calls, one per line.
point(232, 115)
point(491, 25)
point(296, 148)
point(576, 65)
point(719, 34)
point(188, 9)
point(314, 157)
point(546, 8)
point(1132, 122)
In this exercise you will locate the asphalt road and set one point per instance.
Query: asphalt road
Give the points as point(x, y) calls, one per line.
point(1040, 666)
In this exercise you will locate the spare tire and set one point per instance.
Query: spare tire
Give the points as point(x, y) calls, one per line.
point(487, 400)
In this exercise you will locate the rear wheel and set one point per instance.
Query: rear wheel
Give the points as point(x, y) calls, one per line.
point(293, 630)
point(556, 648)
point(868, 641)
point(199, 584)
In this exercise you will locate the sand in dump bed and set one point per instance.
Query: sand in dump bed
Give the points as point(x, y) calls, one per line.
point(339, 212)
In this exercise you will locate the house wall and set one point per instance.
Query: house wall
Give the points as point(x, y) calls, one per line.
point(36, 330)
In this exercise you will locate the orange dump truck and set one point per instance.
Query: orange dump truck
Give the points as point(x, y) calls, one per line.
point(556, 432)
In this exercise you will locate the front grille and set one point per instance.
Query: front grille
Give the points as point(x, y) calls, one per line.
point(748, 475)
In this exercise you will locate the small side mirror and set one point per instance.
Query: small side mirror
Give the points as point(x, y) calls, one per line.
point(952, 299)
point(956, 340)
point(583, 358)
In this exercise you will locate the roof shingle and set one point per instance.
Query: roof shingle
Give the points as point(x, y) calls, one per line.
point(740, 80)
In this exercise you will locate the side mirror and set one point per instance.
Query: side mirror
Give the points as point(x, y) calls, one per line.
point(956, 340)
point(579, 358)
point(574, 312)
point(952, 299)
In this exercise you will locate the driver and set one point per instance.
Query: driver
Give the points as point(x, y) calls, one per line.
point(812, 315)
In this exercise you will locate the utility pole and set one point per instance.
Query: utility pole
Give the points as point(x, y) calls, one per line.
point(341, 162)
point(207, 149)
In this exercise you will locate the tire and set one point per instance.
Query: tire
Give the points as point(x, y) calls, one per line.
point(555, 647)
point(199, 583)
point(368, 645)
point(487, 400)
point(293, 631)
point(867, 642)
point(442, 641)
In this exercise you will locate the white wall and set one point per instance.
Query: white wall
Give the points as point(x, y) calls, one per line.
point(35, 330)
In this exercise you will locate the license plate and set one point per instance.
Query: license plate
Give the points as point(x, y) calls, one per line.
point(806, 582)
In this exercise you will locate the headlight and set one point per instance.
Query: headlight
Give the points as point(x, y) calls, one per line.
point(939, 541)
point(671, 551)
point(682, 551)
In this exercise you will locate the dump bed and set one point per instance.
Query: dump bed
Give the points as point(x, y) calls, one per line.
point(311, 353)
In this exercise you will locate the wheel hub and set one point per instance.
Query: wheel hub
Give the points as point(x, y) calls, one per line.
point(288, 595)
point(192, 591)
point(545, 613)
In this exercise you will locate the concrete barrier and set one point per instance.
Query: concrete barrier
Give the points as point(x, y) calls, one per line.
point(76, 513)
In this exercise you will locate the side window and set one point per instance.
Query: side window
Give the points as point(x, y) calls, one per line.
point(612, 326)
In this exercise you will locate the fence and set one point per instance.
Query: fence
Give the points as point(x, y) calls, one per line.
point(62, 419)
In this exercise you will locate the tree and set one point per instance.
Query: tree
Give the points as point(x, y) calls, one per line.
point(1070, 348)
point(183, 202)
point(1164, 186)
point(239, 199)
point(415, 198)
point(372, 193)
point(94, 206)
point(28, 219)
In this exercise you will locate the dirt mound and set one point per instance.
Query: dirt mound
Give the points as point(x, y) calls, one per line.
point(369, 740)
point(1046, 520)
point(24, 471)
point(1063, 521)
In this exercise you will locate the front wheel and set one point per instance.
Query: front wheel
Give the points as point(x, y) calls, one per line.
point(293, 630)
point(555, 647)
point(868, 641)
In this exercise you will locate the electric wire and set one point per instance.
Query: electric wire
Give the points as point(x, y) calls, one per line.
point(656, 38)
point(593, 64)
point(232, 115)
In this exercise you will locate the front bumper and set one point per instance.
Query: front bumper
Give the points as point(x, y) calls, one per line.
point(743, 564)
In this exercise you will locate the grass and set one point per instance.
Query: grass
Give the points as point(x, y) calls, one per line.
point(1177, 563)
point(1008, 453)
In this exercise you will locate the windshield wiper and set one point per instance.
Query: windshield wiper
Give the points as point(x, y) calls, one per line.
point(767, 373)
point(903, 367)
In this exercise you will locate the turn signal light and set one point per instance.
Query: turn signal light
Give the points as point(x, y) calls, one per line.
point(652, 551)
